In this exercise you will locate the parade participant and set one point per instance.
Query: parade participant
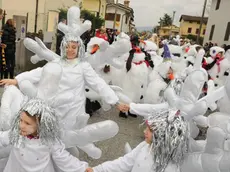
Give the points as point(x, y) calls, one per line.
point(162, 151)
point(68, 96)
point(35, 139)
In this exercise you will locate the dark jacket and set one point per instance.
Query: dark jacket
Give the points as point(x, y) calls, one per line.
point(9, 38)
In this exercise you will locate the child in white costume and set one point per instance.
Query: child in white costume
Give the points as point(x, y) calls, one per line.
point(34, 137)
point(68, 96)
point(162, 151)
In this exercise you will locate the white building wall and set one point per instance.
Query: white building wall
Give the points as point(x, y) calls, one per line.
point(24, 7)
point(109, 24)
point(220, 19)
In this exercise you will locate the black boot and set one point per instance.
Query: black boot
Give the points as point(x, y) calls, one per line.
point(122, 115)
point(132, 115)
point(91, 107)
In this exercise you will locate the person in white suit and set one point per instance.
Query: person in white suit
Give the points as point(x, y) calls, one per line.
point(35, 140)
point(162, 151)
point(74, 73)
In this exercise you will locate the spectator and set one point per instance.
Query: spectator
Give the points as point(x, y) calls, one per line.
point(2, 47)
point(1, 14)
point(101, 33)
point(9, 38)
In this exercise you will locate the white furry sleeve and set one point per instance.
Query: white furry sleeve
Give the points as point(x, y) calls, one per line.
point(4, 138)
point(98, 84)
point(122, 164)
point(33, 76)
point(146, 109)
point(65, 161)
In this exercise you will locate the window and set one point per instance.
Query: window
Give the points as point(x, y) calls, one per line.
point(218, 4)
point(126, 19)
point(110, 17)
point(118, 18)
point(189, 30)
point(198, 22)
point(204, 31)
point(197, 31)
point(227, 33)
point(212, 32)
point(190, 21)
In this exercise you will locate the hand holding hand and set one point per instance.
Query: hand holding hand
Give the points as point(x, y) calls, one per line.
point(89, 170)
point(8, 82)
point(123, 107)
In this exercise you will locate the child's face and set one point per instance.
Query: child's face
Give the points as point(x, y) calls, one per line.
point(170, 74)
point(72, 50)
point(28, 125)
point(148, 135)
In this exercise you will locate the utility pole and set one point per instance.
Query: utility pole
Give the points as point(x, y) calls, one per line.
point(115, 15)
point(36, 17)
point(174, 12)
point(201, 22)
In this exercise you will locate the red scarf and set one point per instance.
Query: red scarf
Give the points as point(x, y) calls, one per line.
point(138, 63)
point(218, 62)
point(32, 137)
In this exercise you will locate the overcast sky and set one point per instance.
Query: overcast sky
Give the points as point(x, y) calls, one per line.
point(148, 12)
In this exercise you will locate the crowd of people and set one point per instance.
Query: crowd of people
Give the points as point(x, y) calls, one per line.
point(44, 122)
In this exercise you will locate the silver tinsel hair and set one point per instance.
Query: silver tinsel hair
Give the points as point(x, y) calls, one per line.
point(170, 138)
point(71, 38)
point(48, 129)
point(73, 30)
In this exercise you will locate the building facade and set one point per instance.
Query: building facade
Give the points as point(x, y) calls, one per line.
point(218, 28)
point(189, 25)
point(168, 31)
point(96, 7)
point(23, 12)
point(124, 17)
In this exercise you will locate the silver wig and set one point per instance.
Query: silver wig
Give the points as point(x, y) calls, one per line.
point(170, 138)
point(48, 130)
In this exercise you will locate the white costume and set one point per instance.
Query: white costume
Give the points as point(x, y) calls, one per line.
point(71, 91)
point(37, 153)
point(62, 83)
point(139, 159)
point(135, 79)
point(35, 157)
point(163, 154)
point(211, 154)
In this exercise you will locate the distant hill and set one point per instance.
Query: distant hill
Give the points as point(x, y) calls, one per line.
point(145, 28)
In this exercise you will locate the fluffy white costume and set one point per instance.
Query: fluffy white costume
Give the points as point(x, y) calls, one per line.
point(220, 70)
point(66, 92)
point(139, 159)
point(38, 154)
point(134, 81)
point(210, 155)
point(157, 85)
point(151, 48)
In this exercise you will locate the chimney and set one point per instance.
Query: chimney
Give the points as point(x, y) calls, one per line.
point(126, 3)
